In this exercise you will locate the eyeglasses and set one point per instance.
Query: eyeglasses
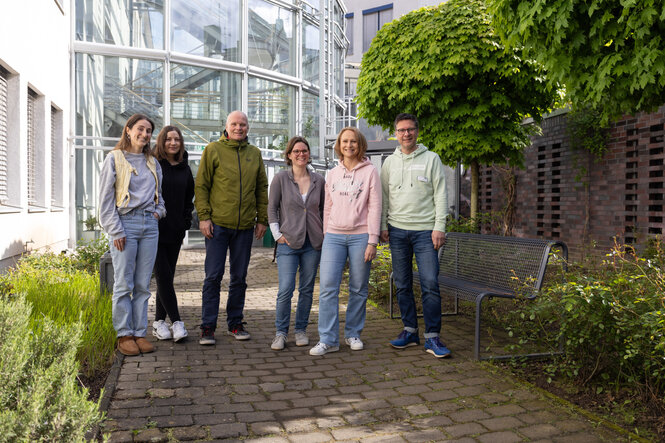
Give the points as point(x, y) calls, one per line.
point(405, 130)
point(298, 151)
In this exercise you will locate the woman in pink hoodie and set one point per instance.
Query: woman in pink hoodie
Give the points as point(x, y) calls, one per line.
point(351, 223)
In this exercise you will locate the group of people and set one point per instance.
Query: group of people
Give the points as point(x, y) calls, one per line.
point(318, 224)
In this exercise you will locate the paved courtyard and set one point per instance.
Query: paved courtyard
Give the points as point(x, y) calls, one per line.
point(246, 391)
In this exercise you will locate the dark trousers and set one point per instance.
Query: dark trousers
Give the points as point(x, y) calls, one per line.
point(239, 245)
point(166, 303)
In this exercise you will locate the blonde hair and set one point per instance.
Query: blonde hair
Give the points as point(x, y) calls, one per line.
point(362, 143)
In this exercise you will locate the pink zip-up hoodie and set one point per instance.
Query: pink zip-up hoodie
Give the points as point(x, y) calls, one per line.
point(353, 201)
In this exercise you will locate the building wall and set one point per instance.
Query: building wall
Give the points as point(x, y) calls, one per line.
point(35, 54)
point(625, 188)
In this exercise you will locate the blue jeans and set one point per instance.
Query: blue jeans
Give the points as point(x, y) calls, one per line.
point(334, 252)
point(403, 244)
point(288, 262)
point(132, 270)
point(239, 245)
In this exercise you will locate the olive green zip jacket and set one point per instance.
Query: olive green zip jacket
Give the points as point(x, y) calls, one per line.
point(231, 185)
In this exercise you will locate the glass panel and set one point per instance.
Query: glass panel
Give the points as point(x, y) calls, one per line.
point(339, 70)
point(110, 89)
point(201, 99)
point(349, 34)
point(370, 26)
point(209, 28)
point(271, 32)
point(271, 113)
point(137, 23)
point(310, 122)
point(385, 16)
point(310, 53)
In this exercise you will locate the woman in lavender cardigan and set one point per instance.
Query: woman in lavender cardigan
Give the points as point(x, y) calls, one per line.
point(295, 213)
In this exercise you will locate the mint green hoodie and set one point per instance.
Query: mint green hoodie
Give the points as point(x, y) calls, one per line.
point(414, 191)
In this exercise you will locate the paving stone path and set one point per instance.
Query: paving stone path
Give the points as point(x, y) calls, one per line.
point(242, 390)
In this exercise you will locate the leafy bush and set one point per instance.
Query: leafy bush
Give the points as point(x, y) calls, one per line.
point(87, 255)
point(40, 399)
point(611, 318)
point(66, 295)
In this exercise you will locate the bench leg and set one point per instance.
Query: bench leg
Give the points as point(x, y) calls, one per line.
point(476, 345)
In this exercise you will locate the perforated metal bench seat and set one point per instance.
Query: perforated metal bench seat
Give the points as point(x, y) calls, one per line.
point(474, 267)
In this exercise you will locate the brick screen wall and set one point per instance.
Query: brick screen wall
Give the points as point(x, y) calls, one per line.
point(626, 187)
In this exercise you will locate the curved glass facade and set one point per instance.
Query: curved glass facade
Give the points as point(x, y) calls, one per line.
point(190, 62)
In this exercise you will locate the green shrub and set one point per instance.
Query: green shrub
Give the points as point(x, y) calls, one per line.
point(40, 399)
point(611, 318)
point(87, 254)
point(59, 291)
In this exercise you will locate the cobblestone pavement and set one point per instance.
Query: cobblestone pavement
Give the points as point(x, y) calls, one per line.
point(242, 390)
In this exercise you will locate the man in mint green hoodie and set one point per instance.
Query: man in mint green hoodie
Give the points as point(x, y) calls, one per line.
point(413, 220)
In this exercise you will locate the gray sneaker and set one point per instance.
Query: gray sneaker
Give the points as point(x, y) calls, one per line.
point(302, 339)
point(278, 343)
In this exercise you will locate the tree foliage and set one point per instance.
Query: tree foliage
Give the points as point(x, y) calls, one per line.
point(609, 54)
point(446, 65)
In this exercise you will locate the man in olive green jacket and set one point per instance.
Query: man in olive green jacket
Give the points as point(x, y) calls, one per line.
point(231, 199)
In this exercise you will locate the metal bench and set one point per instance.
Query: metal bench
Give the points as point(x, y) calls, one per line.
point(476, 267)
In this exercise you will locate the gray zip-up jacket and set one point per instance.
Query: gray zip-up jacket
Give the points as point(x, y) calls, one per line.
point(297, 219)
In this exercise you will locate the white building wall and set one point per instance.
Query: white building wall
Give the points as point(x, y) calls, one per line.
point(34, 48)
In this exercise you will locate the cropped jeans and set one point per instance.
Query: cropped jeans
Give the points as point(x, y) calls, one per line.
point(290, 261)
point(403, 245)
point(238, 242)
point(132, 270)
point(334, 253)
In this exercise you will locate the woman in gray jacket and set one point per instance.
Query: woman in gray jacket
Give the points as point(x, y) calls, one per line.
point(295, 213)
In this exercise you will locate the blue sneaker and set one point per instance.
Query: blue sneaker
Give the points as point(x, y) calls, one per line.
point(405, 339)
point(436, 348)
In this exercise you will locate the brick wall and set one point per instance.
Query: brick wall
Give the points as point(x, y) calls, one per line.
point(626, 187)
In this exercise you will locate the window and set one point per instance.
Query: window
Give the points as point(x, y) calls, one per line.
point(56, 158)
point(373, 19)
point(32, 148)
point(271, 37)
point(310, 53)
point(209, 28)
point(4, 192)
point(349, 32)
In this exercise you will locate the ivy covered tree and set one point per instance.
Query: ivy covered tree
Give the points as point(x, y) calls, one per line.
point(609, 54)
point(446, 65)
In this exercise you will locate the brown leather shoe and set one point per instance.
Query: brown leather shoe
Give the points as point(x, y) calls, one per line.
point(127, 345)
point(144, 345)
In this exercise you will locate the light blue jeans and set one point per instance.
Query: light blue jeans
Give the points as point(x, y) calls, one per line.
point(334, 253)
point(288, 262)
point(132, 270)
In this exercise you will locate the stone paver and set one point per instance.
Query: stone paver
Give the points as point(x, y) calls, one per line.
point(243, 390)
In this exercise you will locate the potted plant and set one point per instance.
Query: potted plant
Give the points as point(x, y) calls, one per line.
point(91, 230)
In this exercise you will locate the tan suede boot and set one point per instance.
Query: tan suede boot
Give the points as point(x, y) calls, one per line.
point(127, 345)
point(144, 345)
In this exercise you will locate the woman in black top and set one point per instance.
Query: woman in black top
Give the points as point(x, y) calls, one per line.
point(178, 193)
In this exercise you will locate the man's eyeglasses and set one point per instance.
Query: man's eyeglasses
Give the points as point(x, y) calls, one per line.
point(405, 130)
point(298, 151)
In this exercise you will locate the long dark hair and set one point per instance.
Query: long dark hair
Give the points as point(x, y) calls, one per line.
point(125, 143)
point(159, 151)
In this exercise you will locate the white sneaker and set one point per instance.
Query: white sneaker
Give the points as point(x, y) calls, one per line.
point(322, 348)
point(179, 331)
point(160, 329)
point(355, 343)
point(302, 339)
point(278, 343)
